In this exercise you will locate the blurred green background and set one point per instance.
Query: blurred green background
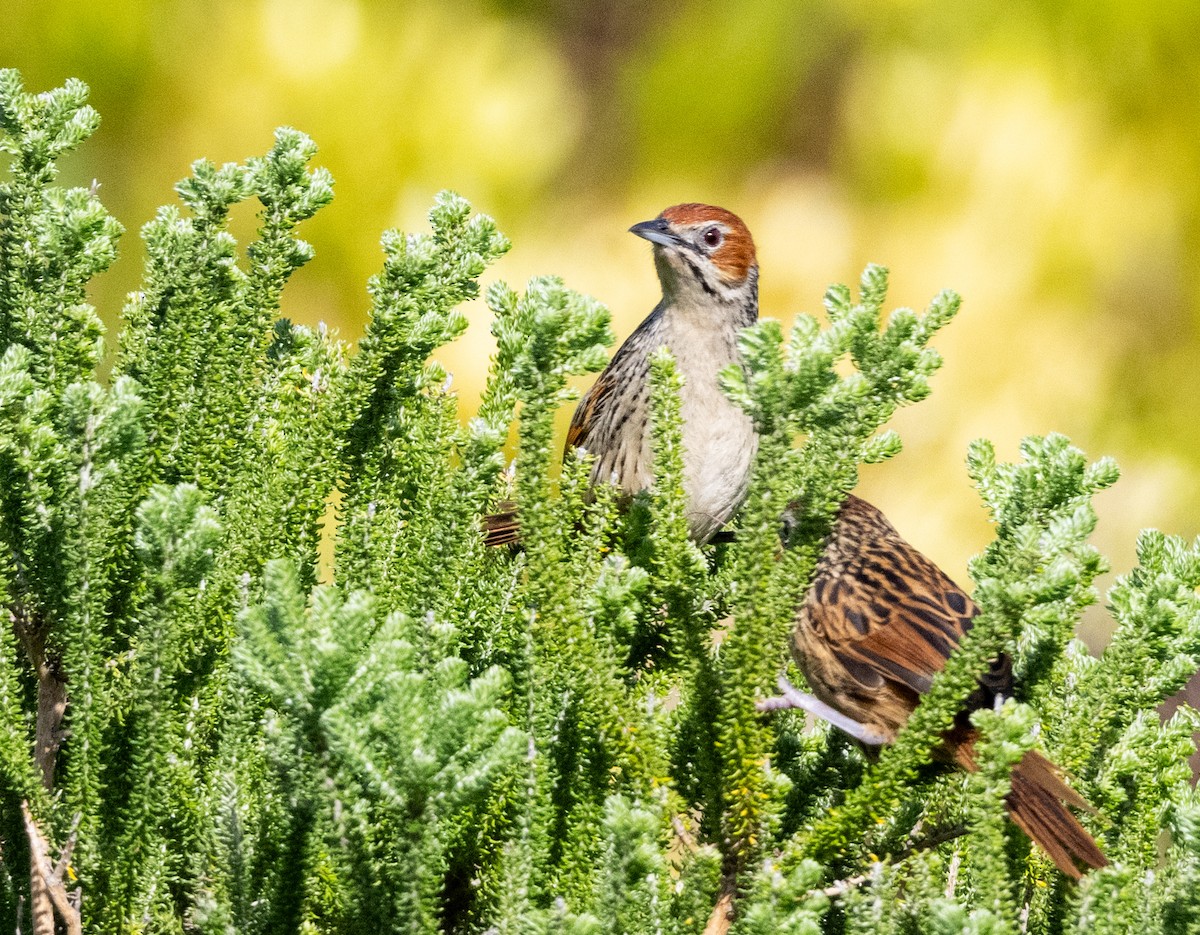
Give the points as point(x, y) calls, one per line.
point(1042, 158)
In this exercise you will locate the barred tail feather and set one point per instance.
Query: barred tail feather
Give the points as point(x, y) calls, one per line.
point(502, 527)
point(1037, 804)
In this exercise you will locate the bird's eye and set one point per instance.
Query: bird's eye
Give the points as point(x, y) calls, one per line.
point(712, 237)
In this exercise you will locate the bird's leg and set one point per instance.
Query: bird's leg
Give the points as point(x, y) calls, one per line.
point(792, 697)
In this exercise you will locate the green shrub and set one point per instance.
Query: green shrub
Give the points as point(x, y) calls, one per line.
point(451, 738)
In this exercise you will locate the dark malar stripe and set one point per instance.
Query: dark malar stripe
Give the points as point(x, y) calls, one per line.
point(700, 278)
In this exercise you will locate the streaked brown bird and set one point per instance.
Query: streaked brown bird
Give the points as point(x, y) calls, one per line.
point(879, 621)
point(706, 265)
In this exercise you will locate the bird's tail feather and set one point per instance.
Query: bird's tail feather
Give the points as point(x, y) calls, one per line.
point(1038, 802)
point(502, 527)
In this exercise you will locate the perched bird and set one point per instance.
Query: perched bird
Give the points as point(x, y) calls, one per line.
point(706, 265)
point(878, 622)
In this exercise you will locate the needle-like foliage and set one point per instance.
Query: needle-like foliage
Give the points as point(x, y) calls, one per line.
point(212, 733)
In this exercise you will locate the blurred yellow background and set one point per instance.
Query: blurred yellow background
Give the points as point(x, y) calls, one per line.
point(1042, 158)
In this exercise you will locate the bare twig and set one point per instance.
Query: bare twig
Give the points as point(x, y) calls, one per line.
point(49, 895)
point(52, 705)
point(841, 887)
point(722, 914)
point(685, 837)
point(52, 691)
point(952, 875)
point(934, 839)
point(792, 697)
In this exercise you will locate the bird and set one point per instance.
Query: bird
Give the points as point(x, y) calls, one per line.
point(877, 623)
point(707, 267)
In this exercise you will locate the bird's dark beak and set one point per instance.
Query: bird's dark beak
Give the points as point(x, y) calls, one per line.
point(657, 231)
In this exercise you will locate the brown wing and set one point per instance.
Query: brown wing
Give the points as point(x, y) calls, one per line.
point(881, 620)
point(598, 422)
point(503, 527)
point(585, 413)
point(621, 391)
